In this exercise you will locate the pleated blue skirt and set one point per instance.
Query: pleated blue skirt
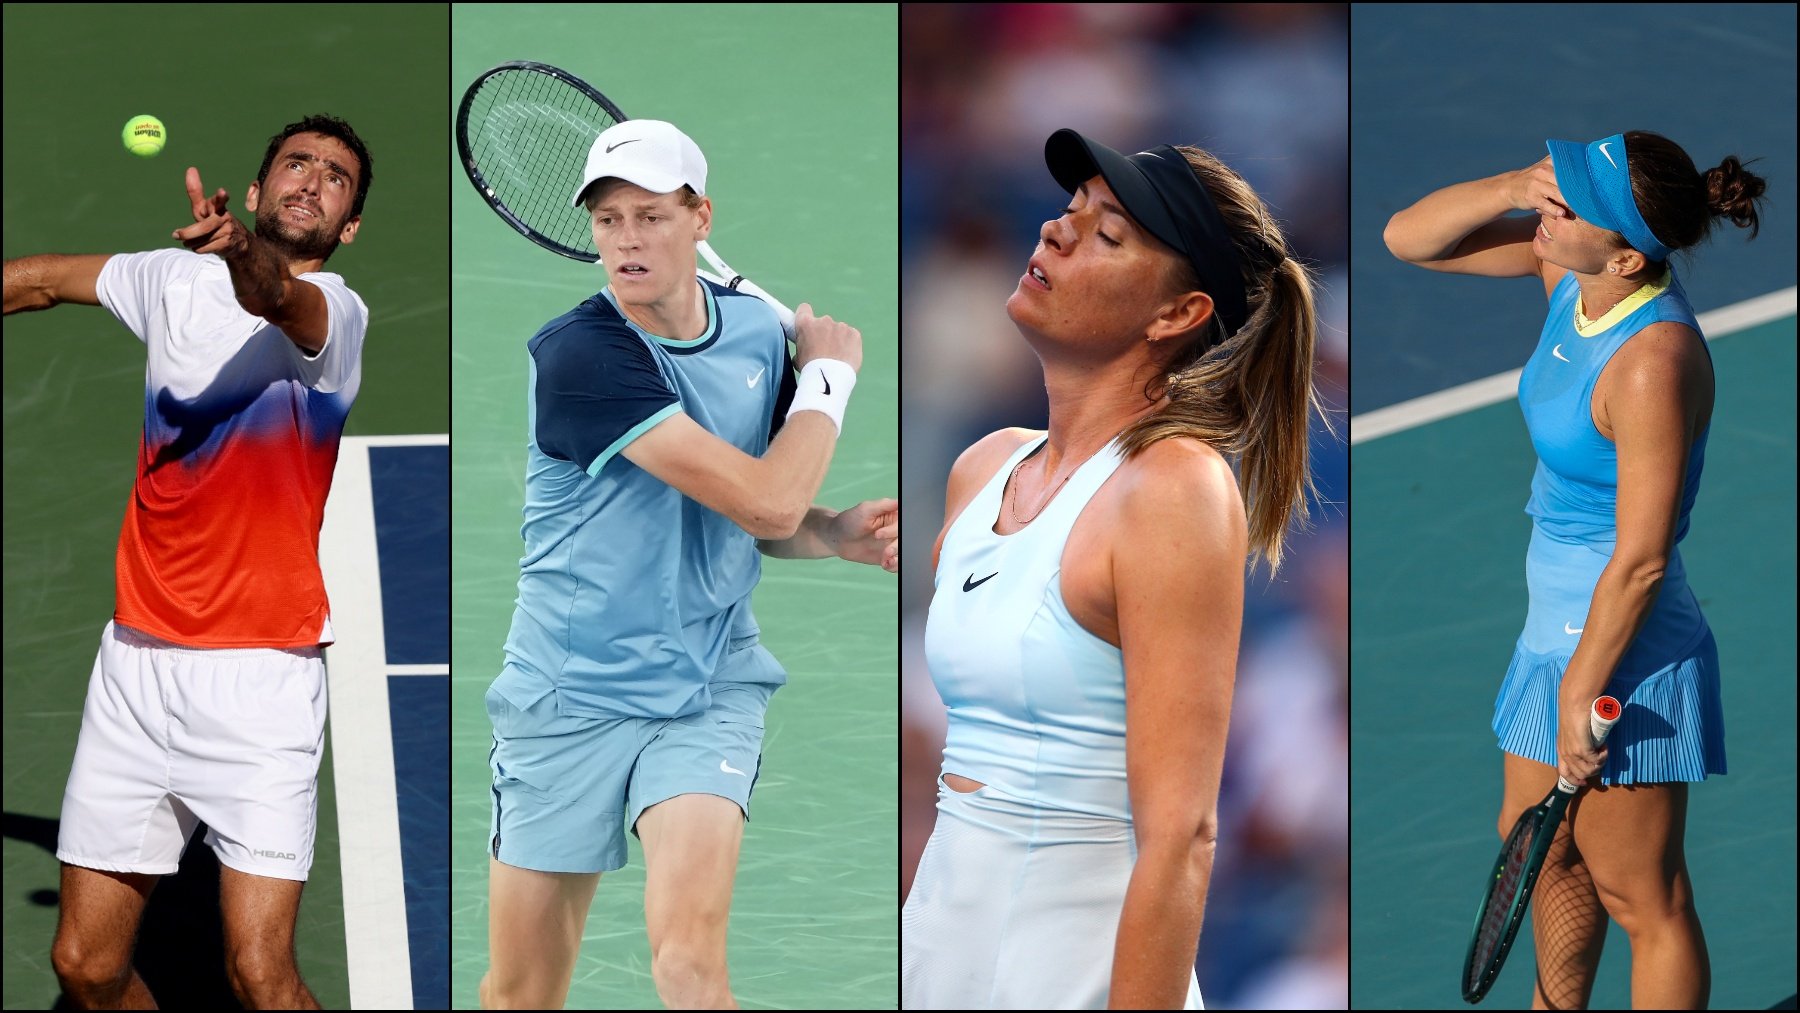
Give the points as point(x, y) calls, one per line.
point(1672, 727)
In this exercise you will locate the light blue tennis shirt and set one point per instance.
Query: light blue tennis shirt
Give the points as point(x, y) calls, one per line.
point(630, 593)
point(1575, 490)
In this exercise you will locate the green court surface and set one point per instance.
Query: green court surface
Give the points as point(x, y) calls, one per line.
point(1439, 599)
point(222, 79)
point(795, 108)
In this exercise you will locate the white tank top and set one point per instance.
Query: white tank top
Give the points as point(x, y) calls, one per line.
point(1037, 703)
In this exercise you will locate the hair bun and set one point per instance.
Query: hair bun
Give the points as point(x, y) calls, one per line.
point(1733, 192)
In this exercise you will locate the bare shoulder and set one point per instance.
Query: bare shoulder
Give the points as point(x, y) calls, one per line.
point(1666, 359)
point(973, 468)
point(977, 464)
point(1176, 486)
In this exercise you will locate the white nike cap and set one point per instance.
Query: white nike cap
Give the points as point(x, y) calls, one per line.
point(647, 153)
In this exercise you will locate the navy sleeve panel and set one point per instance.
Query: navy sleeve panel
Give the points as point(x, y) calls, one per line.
point(784, 399)
point(598, 388)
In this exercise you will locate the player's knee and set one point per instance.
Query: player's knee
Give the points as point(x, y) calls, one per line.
point(683, 967)
point(257, 972)
point(85, 971)
point(1644, 907)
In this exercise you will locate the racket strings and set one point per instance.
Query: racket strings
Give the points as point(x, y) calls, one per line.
point(1570, 926)
point(529, 136)
point(1509, 883)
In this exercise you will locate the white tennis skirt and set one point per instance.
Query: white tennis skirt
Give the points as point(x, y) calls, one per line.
point(1015, 907)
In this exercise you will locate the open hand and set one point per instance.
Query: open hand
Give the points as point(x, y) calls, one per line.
point(215, 228)
point(869, 532)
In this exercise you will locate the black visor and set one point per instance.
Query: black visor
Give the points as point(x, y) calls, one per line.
point(1163, 195)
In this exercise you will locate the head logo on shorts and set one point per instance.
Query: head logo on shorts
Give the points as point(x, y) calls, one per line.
point(283, 855)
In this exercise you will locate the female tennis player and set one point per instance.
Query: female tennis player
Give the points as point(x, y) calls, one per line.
point(1090, 587)
point(1617, 398)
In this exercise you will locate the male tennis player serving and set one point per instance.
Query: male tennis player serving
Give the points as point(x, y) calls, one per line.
point(207, 700)
point(633, 692)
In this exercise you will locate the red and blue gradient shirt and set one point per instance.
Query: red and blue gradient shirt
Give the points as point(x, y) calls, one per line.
point(220, 545)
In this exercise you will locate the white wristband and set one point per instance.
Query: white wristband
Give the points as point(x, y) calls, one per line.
point(825, 386)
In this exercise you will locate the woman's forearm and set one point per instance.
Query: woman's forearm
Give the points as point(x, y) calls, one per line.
point(1432, 228)
point(1622, 600)
point(1159, 926)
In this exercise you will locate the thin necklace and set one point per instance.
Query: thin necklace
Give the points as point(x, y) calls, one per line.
point(1042, 504)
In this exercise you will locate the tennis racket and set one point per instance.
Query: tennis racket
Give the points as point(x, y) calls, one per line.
point(523, 131)
point(1516, 872)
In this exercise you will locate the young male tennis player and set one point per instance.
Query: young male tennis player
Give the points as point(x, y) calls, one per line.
point(1617, 397)
point(1090, 590)
point(668, 445)
point(207, 700)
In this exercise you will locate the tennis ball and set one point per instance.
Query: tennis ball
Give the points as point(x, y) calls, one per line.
point(145, 136)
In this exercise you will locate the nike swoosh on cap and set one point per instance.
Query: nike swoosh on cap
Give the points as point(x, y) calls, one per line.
point(610, 147)
point(1608, 155)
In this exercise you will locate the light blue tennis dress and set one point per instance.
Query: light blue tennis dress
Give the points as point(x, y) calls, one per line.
point(1017, 898)
point(1672, 727)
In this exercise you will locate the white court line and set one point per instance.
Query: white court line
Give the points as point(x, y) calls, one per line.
point(418, 670)
point(362, 745)
point(1488, 390)
point(402, 440)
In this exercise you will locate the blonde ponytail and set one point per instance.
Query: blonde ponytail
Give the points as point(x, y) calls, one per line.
point(1252, 396)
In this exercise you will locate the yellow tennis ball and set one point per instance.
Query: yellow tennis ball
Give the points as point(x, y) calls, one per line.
point(145, 136)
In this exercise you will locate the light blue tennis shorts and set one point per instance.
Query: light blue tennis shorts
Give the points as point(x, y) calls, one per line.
point(566, 789)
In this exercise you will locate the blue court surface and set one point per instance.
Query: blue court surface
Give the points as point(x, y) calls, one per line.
point(1441, 466)
point(385, 550)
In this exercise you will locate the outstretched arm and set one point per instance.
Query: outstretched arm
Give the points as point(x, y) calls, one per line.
point(866, 533)
point(1178, 574)
point(259, 275)
point(43, 281)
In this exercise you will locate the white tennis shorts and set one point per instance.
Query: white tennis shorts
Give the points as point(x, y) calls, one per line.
point(172, 736)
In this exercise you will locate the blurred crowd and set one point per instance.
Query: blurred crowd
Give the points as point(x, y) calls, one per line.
point(1265, 87)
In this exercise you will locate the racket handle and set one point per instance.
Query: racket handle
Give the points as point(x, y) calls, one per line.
point(1604, 715)
point(1601, 718)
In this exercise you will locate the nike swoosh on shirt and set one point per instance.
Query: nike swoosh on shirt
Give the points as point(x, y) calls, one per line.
point(752, 381)
point(1572, 632)
point(1557, 351)
point(726, 766)
point(970, 583)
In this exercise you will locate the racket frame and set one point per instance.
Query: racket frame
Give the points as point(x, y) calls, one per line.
point(467, 157)
point(721, 272)
point(1549, 816)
